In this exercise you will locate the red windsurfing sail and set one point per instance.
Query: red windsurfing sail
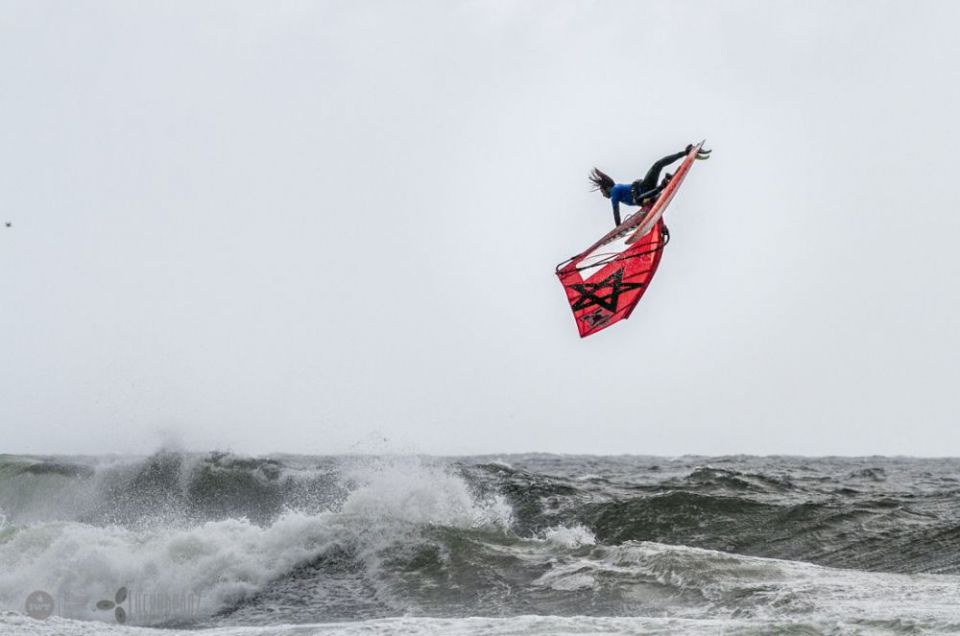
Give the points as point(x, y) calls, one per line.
point(605, 282)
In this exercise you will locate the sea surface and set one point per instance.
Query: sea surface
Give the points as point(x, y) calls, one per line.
point(215, 543)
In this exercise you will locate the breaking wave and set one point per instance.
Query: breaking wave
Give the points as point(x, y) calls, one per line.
point(256, 541)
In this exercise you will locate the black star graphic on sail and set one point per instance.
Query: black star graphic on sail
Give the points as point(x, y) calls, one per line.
point(590, 293)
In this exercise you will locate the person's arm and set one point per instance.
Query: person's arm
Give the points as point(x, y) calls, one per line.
point(616, 210)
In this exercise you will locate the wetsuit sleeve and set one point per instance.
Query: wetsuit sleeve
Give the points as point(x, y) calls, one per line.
point(616, 210)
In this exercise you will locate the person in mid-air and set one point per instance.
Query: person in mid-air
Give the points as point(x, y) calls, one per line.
point(640, 192)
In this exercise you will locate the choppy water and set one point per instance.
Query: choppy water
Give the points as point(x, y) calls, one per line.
point(532, 544)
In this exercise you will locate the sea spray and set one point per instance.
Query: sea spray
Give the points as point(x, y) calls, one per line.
point(737, 543)
point(220, 564)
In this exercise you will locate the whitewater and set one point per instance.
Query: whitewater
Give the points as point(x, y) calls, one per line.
point(216, 543)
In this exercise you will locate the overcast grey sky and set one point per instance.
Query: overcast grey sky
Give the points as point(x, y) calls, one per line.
point(326, 227)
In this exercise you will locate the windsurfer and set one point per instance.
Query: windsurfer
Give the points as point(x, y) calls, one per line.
point(641, 191)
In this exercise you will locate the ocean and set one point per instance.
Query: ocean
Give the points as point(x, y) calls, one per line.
point(217, 543)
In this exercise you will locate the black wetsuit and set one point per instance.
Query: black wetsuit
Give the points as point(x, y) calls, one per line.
point(641, 191)
point(644, 187)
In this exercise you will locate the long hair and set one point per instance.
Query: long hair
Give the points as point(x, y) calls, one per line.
point(600, 180)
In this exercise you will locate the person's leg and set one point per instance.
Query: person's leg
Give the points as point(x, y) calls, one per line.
point(643, 196)
point(649, 182)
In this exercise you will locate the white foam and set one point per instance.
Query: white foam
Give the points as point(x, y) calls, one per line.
point(213, 563)
point(411, 490)
point(219, 563)
point(15, 625)
point(570, 537)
